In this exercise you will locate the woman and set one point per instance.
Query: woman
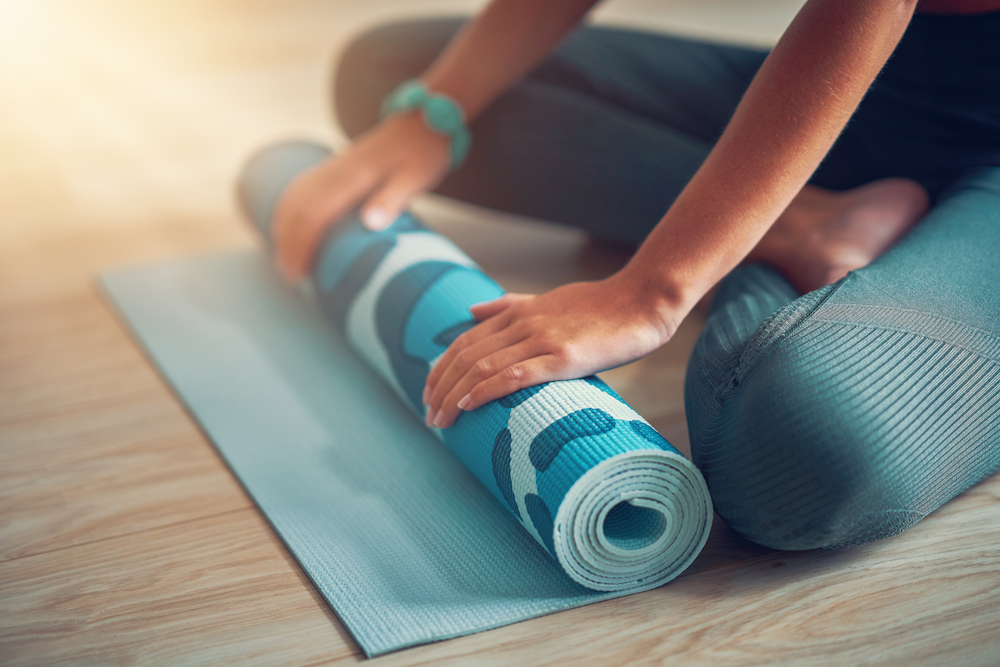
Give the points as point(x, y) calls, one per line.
point(834, 418)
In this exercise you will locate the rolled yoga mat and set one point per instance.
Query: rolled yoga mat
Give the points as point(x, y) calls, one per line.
point(615, 504)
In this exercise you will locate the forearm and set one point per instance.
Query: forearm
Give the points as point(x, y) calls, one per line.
point(798, 103)
point(506, 40)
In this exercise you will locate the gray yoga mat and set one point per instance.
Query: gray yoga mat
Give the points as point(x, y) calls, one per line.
point(400, 538)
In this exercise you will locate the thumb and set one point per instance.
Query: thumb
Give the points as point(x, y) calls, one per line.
point(383, 207)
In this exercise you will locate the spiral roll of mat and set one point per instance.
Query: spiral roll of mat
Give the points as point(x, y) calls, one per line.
point(608, 497)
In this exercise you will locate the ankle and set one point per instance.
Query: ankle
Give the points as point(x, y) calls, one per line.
point(824, 235)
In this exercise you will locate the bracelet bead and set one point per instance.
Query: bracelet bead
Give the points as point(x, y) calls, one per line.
point(439, 112)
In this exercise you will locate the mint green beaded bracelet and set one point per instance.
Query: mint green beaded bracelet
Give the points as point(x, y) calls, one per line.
point(441, 114)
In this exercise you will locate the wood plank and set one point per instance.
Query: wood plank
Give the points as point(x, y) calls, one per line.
point(93, 443)
point(212, 591)
point(930, 596)
point(56, 263)
point(92, 472)
point(91, 429)
point(198, 591)
point(64, 350)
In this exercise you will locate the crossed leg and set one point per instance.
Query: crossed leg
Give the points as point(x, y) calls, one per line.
point(849, 413)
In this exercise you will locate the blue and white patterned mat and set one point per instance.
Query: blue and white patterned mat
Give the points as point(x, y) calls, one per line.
point(409, 540)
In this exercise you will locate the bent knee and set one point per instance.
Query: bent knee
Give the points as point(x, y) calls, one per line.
point(790, 470)
point(835, 422)
point(823, 442)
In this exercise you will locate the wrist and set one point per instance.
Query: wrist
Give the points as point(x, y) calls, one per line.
point(665, 297)
point(411, 125)
point(439, 113)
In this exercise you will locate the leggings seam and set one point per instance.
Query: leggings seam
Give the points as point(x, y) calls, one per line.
point(974, 340)
point(756, 349)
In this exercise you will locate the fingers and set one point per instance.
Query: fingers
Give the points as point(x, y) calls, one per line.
point(308, 207)
point(491, 347)
point(475, 390)
point(463, 354)
point(569, 332)
point(472, 365)
point(399, 158)
point(487, 309)
point(528, 373)
point(388, 202)
point(471, 337)
point(466, 340)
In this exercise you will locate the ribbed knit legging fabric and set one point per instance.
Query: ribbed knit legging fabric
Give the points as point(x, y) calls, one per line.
point(829, 419)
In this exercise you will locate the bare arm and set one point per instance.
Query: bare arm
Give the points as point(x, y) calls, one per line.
point(400, 158)
point(797, 105)
point(508, 39)
point(793, 111)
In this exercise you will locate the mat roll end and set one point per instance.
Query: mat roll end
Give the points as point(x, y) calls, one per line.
point(633, 522)
point(268, 173)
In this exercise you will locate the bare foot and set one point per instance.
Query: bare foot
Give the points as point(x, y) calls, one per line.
point(823, 235)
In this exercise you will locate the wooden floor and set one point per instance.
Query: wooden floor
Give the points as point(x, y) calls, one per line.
point(123, 537)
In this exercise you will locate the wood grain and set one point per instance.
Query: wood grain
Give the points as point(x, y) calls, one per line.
point(63, 350)
point(189, 593)
point(930, 596)
point(124, 539)
point(106, 468)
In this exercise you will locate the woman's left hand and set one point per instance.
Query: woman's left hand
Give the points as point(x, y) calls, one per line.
point(523, 340)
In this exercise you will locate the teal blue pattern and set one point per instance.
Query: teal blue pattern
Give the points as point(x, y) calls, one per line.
point(400, 296)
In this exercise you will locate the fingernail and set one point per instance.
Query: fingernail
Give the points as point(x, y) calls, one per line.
point(431, 414)
point(439, 419)
point(376, 219)
point(427, 395)
point(465, 401)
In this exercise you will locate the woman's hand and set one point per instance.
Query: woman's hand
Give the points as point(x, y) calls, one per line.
point(384, 168)
point(523, 340)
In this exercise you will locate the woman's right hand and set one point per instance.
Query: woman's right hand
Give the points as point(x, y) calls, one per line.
point(384, 168)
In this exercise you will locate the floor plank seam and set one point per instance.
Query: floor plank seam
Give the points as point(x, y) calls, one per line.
point(132, 533)
point(744, 561)
point(20, 418)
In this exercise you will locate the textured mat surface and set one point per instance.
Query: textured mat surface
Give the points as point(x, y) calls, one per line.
point(409, 540)
point(394, 531)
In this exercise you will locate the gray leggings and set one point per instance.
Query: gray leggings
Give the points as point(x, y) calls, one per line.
point(824, 420)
